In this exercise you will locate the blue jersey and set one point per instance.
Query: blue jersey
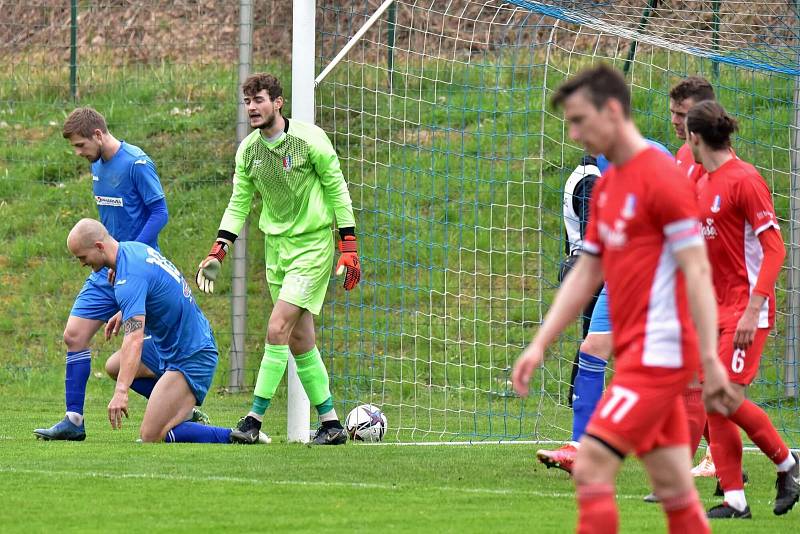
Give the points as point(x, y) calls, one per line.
point(603, 163)
point(123, 188)
point(148, 284)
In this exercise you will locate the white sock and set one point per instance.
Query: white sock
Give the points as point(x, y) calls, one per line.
point(736, 499)
point(257, 417)
point(328, 416)
point(77, 419)
point(575, 444)
point(787, 464)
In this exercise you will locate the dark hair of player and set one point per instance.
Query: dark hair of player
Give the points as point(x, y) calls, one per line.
point(262, 81)
point(601, 83)
point(695, 87)
point(709, 120)
point(84, 121)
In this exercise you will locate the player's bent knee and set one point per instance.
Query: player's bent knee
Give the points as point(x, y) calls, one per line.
point(74, 339)
point(152, 436)
point(278, 332)
point(112, 365)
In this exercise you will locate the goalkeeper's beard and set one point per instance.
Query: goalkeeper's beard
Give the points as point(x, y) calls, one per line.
point(268, 123)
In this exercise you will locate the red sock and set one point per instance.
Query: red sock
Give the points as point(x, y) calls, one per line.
point(726, 448)
point(756, 423)
point(696, 413)
point(685, 514)
point(597, 509)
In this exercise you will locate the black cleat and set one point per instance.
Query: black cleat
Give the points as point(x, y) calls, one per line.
point(719, 492)
point(788, 486)
point(246, 431)
point(330, 436)
point(723, 511)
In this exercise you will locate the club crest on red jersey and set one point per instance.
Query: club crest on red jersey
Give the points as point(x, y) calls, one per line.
point(629, 209)
point(287, 163)
point(717, 204)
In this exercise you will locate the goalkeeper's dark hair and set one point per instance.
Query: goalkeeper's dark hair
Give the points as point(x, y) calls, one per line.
point(262, 81)
point(600, 83)
point(83, 122)
point(711, 122)
point(695, 87)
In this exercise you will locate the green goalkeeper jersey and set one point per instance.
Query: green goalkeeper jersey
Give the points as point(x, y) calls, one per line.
point(299, 179)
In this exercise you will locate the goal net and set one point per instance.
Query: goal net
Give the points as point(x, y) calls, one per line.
point(456, 165)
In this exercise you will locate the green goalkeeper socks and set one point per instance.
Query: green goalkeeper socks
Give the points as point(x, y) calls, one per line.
point(314, 377)
point(273, 365)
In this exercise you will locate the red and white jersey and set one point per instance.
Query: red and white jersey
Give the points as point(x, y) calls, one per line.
point(735, 206)
point(685, 160)
point(641, 214)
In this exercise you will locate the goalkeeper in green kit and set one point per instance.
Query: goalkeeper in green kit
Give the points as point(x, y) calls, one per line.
point(296, 171)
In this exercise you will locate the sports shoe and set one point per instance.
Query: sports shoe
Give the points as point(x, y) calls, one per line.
point(651, 498)
point(720, 493)
point(199, 416)
point(705, 468)
point(63, 430)
point(788, 485)
point(561, 458)
point(330, 436)
point(247, 431)
point(723, 511)
point(263, 438)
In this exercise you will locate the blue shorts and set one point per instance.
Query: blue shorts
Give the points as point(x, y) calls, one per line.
point(151, 357)
point(96, 298)
point(198, 370)
point(601, 319)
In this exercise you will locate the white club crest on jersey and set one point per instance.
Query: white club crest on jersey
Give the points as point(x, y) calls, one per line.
point(717, 204)
point(629, 209)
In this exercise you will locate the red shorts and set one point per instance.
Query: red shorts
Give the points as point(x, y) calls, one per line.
point(637, 414)
point(742, 365)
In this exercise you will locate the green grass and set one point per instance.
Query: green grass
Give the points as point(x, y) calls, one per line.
point(109, 481)
point(456, 179)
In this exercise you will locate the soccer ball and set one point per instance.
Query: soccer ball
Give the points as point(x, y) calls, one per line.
point(366, 423)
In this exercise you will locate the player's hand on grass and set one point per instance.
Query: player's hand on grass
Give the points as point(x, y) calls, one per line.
point(117, 407)
point(113, 325)
point(531, 358)
point(746, 329)
point(718, 394)
point(348, 262)
point(209, 268)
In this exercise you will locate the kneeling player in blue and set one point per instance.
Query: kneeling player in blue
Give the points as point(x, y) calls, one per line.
point(155, 301)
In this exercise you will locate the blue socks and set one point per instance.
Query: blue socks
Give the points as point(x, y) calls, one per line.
point(187, 432)
point(588, 390)
point(79, 366)
point(143, 386)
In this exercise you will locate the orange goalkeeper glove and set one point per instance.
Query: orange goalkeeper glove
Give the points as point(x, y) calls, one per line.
point(348, 261)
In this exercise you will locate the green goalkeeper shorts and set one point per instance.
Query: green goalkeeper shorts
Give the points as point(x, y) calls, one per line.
point(299, 268)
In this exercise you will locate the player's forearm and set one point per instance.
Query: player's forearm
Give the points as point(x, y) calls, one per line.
point(159, 216)
point(774, 254)
point(575, 293)
point(703, 307)
point(130, 357)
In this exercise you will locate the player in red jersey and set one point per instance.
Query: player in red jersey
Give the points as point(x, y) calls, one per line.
point(644, 238)
point(745, 245)
point(682, 97)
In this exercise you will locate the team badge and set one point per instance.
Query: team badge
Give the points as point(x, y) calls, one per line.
point(715, 206)
point(287, 163)
point(629, 209)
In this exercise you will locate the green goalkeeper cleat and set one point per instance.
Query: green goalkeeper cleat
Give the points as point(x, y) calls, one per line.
point(199, 416)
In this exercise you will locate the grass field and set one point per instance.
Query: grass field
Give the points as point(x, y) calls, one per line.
point(110, 482)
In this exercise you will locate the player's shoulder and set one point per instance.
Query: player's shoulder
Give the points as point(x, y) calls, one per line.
point(134, 154)
point(310, 133)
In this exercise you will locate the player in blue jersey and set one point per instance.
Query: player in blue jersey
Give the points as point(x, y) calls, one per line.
point(156, 303)
point(131, 204)
point(589, 367)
